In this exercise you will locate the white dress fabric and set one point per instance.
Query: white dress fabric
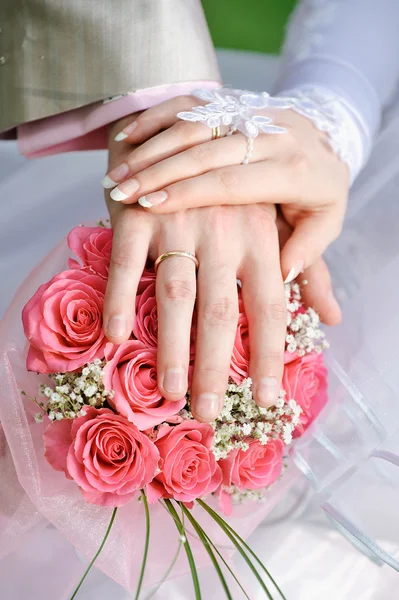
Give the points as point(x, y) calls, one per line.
point(42, 200)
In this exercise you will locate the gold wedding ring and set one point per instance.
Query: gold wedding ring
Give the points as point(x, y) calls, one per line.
point(216, 132)
point(179, 253)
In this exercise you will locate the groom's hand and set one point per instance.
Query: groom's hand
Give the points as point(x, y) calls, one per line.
point(229, 242)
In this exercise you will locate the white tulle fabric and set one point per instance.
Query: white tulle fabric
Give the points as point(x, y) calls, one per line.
point(255, 113)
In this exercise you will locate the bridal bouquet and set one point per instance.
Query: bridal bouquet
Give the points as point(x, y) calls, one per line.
point(114, 436)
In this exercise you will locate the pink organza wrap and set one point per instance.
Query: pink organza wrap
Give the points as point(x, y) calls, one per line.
point(32, 494)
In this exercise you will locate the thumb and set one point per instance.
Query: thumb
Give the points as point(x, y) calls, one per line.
point(311, 235)
point(318, 293)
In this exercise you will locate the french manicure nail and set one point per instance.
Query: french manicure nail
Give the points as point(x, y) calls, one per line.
point(117, 326)
point(108, 183)
point(129, 187)
point(153, 199)
point(117, 195)
point(121, 136)
point(207, 406)
point(173, 381)
point(125, 132)
point(267, 391)
point(294, 272)
point(119, 173)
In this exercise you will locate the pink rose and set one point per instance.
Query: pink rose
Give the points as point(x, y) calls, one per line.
point(131, 373)
point(189, 468)
point(305, 380)
point(106, 455)
point(252, 469)
point(239, 364)
point(146, 279)
point(92, 245)
point(63, 322)
point(145, 326)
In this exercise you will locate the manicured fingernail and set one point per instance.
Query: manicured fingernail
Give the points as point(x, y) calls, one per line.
point(267, 391)
point(121, 136)
point(125, 189)
point(117, 195)
point(119, 173)
point(174, 381)
point(207, 406)
point(294, 272)
point(108, 183)
point(116, 326)
point(153, 199)
point(125, 132)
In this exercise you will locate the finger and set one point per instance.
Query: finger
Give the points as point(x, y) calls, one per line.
point(129, 254)
point(197, 160)
point(312, 234)
point(264, 301)
point(267, 181)
point(318, 293)
point(154, 119)
point(216, 328)
point(176, 292)
point(181, 136)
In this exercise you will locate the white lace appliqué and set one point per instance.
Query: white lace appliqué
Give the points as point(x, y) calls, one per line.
point(328, 113)
point(235, 108)
point(240, 109)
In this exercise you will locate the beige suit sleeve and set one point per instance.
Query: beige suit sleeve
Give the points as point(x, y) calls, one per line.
point(57, 55)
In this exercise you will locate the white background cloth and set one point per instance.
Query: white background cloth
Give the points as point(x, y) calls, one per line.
point(40, 202)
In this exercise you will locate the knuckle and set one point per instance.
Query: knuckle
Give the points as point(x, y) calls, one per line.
point(202, 154)
point(122, 261)
point(223, 311)
point(227, 181)
point(205, 373)
point(265, 221)
point(178, 289)
point(298, 162)
point(271, 360)
point(274, 312)
point(187, 130)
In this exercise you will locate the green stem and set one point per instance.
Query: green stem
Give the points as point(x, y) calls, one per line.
point(248, 548)
point(187, 547)
point(146, 544)
point(227, 566)
point(209, 550)
point(97, 553)
point(232, 537)
point(210, 543)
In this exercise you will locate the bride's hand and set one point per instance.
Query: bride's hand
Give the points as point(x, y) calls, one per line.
point(181, 167)
point(229, 242)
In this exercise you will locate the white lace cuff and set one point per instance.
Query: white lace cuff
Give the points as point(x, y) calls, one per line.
point(326, 110)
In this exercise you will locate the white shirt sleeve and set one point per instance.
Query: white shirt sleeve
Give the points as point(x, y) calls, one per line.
point(350, 49)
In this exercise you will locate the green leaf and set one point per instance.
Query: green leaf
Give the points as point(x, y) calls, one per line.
point(146, 544)
point(96, 554)
point(208, 548)
point(232, 536)
point(248, 548)
point(209, 541)
point(187, 547)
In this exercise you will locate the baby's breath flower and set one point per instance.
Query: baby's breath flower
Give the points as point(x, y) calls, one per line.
point(73, 391)
point(241, 419)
